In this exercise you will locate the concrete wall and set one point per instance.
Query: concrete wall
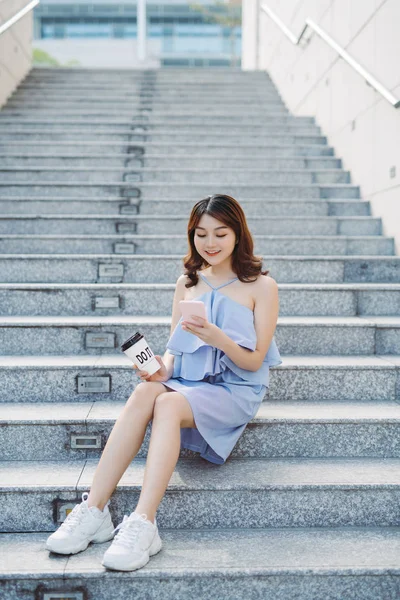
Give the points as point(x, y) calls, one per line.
point(360, 124)
point(15, 47)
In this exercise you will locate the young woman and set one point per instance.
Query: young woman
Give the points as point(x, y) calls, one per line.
point(213, 377)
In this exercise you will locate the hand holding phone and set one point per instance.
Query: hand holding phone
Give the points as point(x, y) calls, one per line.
point(192, 307)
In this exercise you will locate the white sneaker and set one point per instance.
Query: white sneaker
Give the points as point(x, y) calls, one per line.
point(134, 544)
point(81, 526)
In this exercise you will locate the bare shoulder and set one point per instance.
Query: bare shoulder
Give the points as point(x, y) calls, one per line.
point(182, 279)
point(267, 281)
point(180, 282)
point(265, 285)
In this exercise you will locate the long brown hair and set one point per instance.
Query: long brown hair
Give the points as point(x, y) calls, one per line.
point(227, 210)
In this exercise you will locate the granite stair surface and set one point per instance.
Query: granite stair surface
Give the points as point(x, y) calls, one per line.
point(98, 173)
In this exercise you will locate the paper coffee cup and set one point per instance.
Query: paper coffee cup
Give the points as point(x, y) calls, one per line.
point(139, 351)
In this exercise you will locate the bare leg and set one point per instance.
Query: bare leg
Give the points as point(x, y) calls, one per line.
point(171, 412)
point(124, 442)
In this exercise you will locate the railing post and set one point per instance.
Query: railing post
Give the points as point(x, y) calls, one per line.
point(141, 20)
point(257, 41)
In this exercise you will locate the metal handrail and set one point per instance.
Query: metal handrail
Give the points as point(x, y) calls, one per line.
point(387, 94)
point(18, 15)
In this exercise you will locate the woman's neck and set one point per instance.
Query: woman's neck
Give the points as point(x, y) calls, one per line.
point(222, 275)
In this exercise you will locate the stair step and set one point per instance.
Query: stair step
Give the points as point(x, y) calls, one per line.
point(142, 85)
point(135, 114)
point(152, 103)
point(171, 74)
point(111, 206)
point(178, 82)
point(286, 120)
point(219, 85)
point(298, 378)
point(29, 335)
point(234, 110)
point(123, 244)
point(108, 268)
point(174, 135)
point(143, 88)
point(155, 75)
point(223, 176)
point(47, 431)
point(185, 86)
point(154, 97)
point(21, 115)
point(362, 563)
point(162, 161)
point(156, 127)
point(194, 90)
point(146, 190)
point(299, 492)
point(157, 225)
point(295, 299)
point(132, 149)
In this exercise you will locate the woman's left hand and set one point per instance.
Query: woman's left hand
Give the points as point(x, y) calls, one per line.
point(208, 332)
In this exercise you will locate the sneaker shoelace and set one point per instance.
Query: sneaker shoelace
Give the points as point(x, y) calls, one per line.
point(73, 519)
point(129, 531)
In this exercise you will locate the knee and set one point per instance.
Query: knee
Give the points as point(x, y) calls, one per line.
point(143, 395)
point(136, 392)
point(166, 402)
point(141, 388)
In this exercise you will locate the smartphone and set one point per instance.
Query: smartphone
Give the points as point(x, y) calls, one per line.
point(192, 307)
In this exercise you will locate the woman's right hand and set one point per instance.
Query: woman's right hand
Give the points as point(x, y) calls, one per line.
point(162, 374)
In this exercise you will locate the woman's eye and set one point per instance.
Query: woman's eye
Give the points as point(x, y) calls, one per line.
point(218, 236)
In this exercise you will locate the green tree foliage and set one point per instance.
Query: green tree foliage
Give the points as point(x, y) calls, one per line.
point(40, 58)
point(227, 15)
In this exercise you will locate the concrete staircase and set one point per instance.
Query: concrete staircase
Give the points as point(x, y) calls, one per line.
point(99, 171)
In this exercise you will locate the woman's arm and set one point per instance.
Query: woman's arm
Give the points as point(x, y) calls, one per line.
point(179, 294)
point(265, 319)
point(168, 360)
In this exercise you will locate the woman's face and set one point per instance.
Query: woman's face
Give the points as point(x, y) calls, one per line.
point(213, 235)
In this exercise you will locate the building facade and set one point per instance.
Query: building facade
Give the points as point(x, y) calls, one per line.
point(205, 34)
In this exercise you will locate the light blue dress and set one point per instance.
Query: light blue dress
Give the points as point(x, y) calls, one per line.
point(223, 397)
